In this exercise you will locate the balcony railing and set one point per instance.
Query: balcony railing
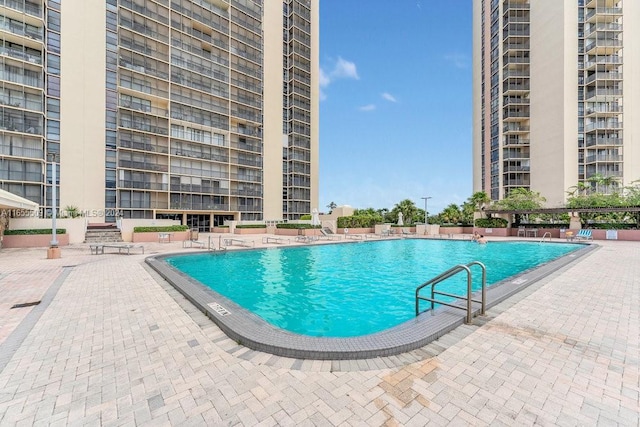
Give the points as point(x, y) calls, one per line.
point(615, 11)
point(602, 26)
point(603, 158)
point(590, 142)
point(603, 92)
point(21, 54)
point(603, 43)
point(142, 185)
point(604, 76)
point(603, 126)
point(29, 8)
point(32, 153)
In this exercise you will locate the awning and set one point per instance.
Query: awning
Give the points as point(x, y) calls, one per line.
point(11, 201)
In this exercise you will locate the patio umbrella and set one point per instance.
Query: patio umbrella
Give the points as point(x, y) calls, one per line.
point(315, 217)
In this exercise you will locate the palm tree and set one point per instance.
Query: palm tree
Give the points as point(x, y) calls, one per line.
point(409, 211)
point(451, 214)
point(479, 199)
point(332, 206)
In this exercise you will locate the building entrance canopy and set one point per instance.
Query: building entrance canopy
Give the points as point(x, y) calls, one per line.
point(9, 201)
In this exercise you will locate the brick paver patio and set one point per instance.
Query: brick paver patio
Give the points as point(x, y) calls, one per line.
point(112, 345)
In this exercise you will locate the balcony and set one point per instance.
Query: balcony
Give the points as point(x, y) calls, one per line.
point(603, 142)
point(516, 142)
point(12, 150)
point(604, 173)
point(603, 76)
point(131, 164)
point(515, 128)
point(611, 109)
point(602, 46)
point(514, 100)
point(603, 93)
point(142, 185)
point(608, 14)
point(598, 126)
point(27, 7)
point(516, 182)
point(516, 5)
point(609, 61)
point(603, 158)
point(513, 168)
point(609, 27)
point(515, 114)
point(21, 54)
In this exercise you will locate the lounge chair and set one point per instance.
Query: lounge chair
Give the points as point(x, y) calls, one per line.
point(583, 235)
point(329, 235)
point(406, 233)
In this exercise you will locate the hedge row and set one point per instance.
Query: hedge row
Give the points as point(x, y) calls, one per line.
point(297, 226)
point(160, 229)
point(34, 231)
point(251, 226)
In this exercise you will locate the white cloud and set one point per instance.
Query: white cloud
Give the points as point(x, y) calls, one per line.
point(459, 60)
point(389, 97)
point(342, 69)
point(345, 69)
point(368, 107)
point(324, 79)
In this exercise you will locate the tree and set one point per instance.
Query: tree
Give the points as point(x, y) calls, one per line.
point(451, 214)
point(410, 213)
point(521, 199)
point(332, 206)
point(479, 199)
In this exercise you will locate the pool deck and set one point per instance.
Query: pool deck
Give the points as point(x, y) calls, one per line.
point(111, 345)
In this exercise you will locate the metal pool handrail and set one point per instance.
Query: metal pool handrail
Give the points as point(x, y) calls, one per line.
point(449, 273)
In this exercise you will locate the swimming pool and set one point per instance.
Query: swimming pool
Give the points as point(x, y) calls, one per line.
point(350, 290)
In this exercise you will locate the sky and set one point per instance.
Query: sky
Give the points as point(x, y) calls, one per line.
point(395, 103)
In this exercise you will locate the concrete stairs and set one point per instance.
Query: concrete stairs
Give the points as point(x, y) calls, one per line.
point(102, 233)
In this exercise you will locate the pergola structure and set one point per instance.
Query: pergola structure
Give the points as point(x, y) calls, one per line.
point(562, 210)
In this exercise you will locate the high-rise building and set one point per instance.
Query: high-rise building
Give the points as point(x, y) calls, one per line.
point(556, 93)
point(199, 110)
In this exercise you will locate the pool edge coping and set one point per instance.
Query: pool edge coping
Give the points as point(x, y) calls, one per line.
point(248, 329)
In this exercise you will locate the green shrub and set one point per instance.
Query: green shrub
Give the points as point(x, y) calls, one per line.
point(34, 231)
point(251, 226)
point(160, 229)
point(306, 217)
point(491, 223)
point(297, 226)
point(221, 226)
point(357, 221)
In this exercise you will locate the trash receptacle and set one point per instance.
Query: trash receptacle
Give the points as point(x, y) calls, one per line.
point(194, 235)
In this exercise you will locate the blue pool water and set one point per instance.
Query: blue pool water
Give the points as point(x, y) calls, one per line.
point(347, 290)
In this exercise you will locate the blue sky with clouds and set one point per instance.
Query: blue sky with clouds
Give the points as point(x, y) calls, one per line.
point(395, 109)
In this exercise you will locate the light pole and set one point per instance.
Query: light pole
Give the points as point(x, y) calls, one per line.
point(426, 215)
point(54, 250)
point(54, 196)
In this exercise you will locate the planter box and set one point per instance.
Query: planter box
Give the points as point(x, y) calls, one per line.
point(153, 236)
point(33, 240)
point(250, 230)
point(298, 232)
point(220, 230)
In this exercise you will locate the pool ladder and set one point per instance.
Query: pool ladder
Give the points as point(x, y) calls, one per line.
point(447, 274)
point(547, 234)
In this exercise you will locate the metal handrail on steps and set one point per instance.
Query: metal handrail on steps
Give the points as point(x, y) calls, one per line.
point(547, 234)
point(447, 274)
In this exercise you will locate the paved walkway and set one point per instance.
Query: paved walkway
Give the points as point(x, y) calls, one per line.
point(116, 347)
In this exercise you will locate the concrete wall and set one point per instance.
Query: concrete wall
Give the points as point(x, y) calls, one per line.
point(75, 226)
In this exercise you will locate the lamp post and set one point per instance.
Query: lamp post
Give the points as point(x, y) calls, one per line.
point(426, 215)
point(54, 250)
